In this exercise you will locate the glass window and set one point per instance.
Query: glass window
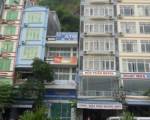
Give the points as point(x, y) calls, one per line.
point(61, 111)
point(129, 45)
point(33, 33)
point(145, 28)
point(11, 15)
point(7, 47)
point(128, 27)
point(145, 46)
point(127, 10)
point(30, 52)
point(5, 64)
point(34, 17)
point(144, 10)
point(9, 30)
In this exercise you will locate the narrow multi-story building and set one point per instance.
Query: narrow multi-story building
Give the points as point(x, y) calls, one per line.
point(114, 56)
point(1, 6)
point(98, 82)
point(133, 24)
point(61, 54)
point(9, 36)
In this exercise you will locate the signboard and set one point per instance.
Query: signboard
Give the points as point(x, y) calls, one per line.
point(62, 60)
point(100, 106)
point(98, 73)
point(136, 75)
point(67, 36)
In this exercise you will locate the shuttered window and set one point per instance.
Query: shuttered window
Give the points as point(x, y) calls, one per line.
point(9, 30)
point(33, 34)
point(12, 15)
point(12, 2)
point(5, 64)
point(7, 46)
point(34, 17)
point(30, 52)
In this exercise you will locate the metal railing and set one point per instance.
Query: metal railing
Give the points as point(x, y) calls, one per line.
point(96, 93)
point(135, 93)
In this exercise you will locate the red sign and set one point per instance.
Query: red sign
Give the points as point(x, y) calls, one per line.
point(63, 60)
point(98, 73)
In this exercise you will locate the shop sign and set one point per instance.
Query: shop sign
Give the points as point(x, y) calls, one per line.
point(67, 36)
point(98, 73)
point(136, 75)
point(63, 60)
point(100, 106)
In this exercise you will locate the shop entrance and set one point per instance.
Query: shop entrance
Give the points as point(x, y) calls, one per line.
point(89, 114)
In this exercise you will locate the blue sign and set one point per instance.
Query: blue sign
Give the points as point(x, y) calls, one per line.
point(67, 36)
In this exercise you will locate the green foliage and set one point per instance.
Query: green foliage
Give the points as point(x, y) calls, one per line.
point(147, 93)
point(127, 116)
point(38, 114)
point(6, 95)
point(68, 12)
point(42, 71)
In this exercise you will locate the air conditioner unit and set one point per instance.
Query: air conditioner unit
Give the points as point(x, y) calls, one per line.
point(120, 16)
point(25, 25)
point(119, 0)
point(120, 33)
point(23, 42)
point(110, 17)
point(85, 52)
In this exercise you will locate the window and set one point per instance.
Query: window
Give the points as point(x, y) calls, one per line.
point(34, 17)
point(5, 64)
point(129, 45)
point(64, 52)
point(62, 74)
point(101, 27)
point(12, 15)
point(145, 28)
point(9, 30)
point(61, 111)
point(144, 10)
point(33, 33)
point(136, 65)
point(30, 52)
point(12, 2)
point(127, 10)
point(98, 11)
point(99, 63)
point(7, 47)
point(128, 27)
point(145, 46)
point(99, 45)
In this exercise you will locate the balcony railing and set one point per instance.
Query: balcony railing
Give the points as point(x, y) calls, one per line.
point(135, 93)
point(96, 93)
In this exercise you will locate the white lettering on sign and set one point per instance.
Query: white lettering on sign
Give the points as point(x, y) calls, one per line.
point(98, 73)
point(100, 106)
point(136, 76)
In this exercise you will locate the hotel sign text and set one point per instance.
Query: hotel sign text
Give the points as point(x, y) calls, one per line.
point(98, 73)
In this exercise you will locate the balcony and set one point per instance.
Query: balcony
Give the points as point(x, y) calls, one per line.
point(9, 22)
point(133, 1)
point(98, 34)
point(100, 1)
point(111, 53)
point(96, 93)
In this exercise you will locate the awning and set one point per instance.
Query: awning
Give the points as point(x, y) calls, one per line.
point(138, 102)
point(99, 104)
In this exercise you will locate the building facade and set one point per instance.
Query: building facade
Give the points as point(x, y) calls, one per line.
point(9, 37)
point(1, 6)
point(61, 54)
point(113, 54)
point(32, 36)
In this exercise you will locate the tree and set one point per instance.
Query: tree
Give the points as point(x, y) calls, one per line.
point(34, 88)
point(6, 98)
point(38, 114)
point(127, 116)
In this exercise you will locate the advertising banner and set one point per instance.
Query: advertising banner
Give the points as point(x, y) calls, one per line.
point(67, 36)
point(98, 73)
point(63, 60)
point(135, 75)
